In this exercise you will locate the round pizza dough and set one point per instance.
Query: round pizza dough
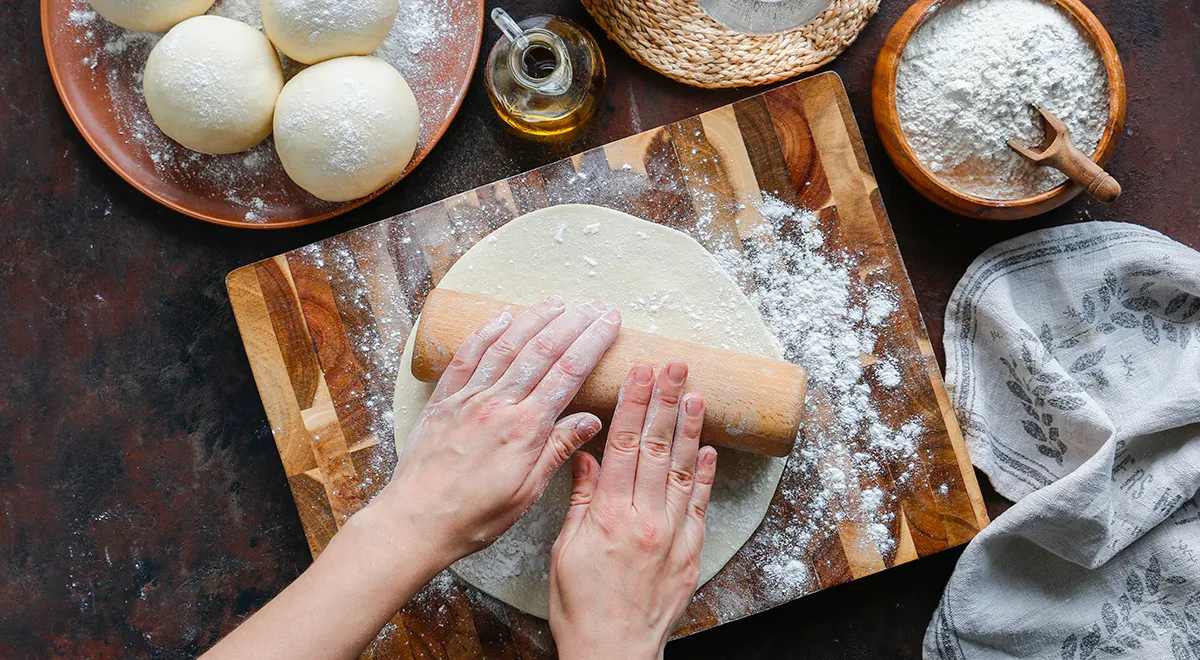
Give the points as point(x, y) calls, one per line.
point(149, 15)
point(312, 31)
point(211, 84)
point(346, 127)
point(662, 281)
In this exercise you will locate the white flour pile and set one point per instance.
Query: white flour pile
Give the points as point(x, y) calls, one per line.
point(966, 82)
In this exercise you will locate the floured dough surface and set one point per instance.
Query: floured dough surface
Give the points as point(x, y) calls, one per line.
point(149, 15)
point(211, 84)
point(346, 127)
point(663, 281)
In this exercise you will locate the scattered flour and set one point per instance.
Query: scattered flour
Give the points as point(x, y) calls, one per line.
point(786, 572)
point(886, 373)
point(879, 307)
point(902, 443)
point(968, 77)
point(826, 320)
point(246, 11)
point(420, 24)
point(871, 498)
point(81, 16)
point(835, 479)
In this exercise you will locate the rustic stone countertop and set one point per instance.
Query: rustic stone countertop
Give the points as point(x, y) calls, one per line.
point(143, 509)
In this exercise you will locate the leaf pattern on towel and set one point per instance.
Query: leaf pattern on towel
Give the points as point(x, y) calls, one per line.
point(1157, 311)
point(1043, 391)
point(1154, 611)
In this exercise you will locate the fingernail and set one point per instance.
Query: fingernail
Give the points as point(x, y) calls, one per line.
point(694, 406)
point(598, 306)
point(642, 374)
point(588, 426)
point(579, 466)
point(709, 457)
point(612, 316)
point(676, 372)
point(502, 319)
point(556, 302)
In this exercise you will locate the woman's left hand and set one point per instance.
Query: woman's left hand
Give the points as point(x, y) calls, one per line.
point(627, 560)
point(490, 437)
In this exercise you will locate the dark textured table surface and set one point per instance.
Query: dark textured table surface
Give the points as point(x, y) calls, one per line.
point(143, 509)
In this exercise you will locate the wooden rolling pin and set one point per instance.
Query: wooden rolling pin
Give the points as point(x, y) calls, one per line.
point(753, 403)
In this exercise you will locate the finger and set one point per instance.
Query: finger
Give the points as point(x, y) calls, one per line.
point(625, 437)
point(505, 349)
point(658, 432)
point(467, 357)
point(706, 471)
point(565, 378)
point(586, 473)
point(570, 433)
point(541, 352)
point(682, 476)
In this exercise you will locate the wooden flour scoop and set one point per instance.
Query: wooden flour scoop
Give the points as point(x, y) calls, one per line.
point(1059, 152)
point(753, 403)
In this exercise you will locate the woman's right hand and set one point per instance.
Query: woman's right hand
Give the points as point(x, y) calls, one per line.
point(627, 560)
point(490, 437)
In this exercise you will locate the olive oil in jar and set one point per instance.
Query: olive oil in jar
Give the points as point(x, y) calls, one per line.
point(544, 75)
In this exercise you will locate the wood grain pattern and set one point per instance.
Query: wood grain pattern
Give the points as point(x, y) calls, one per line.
point(324, 326)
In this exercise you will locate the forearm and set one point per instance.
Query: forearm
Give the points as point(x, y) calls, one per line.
point(370, 569)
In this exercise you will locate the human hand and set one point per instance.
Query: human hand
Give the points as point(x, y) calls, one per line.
point(489, 439)
point(627, 560)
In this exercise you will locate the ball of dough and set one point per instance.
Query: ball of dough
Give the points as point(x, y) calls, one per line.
point(311, 31)
point(211, 84)
point(346, 127)
point(149, 15)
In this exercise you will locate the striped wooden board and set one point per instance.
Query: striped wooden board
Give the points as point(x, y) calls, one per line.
point(324, 326)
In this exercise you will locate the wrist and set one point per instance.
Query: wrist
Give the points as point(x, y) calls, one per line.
point(407, 549)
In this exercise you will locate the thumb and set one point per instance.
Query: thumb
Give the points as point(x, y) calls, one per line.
point(570, 433)
point(586, 473)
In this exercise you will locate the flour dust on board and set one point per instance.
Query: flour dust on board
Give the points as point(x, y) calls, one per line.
point(824, 307)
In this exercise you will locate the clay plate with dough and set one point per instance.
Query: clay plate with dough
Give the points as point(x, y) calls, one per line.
point(97, 69)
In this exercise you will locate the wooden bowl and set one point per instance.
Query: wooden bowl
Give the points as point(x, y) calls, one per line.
point(887, 120)
point(96, 67)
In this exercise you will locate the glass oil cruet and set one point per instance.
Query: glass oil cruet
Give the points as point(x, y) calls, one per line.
point(544, 75)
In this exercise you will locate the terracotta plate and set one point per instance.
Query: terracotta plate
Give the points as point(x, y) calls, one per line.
point(97, 68)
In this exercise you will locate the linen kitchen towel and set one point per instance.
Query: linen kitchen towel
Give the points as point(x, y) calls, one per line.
point(1073, 361)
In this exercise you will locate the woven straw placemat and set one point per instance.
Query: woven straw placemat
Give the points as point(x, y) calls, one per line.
point(680, 40)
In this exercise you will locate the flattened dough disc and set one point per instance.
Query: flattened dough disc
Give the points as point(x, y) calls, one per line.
point(662, 281)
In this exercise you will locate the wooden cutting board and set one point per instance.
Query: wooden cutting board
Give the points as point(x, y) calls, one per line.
point(324, 325)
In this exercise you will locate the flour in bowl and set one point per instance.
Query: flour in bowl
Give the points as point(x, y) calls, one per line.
point(967, 79)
